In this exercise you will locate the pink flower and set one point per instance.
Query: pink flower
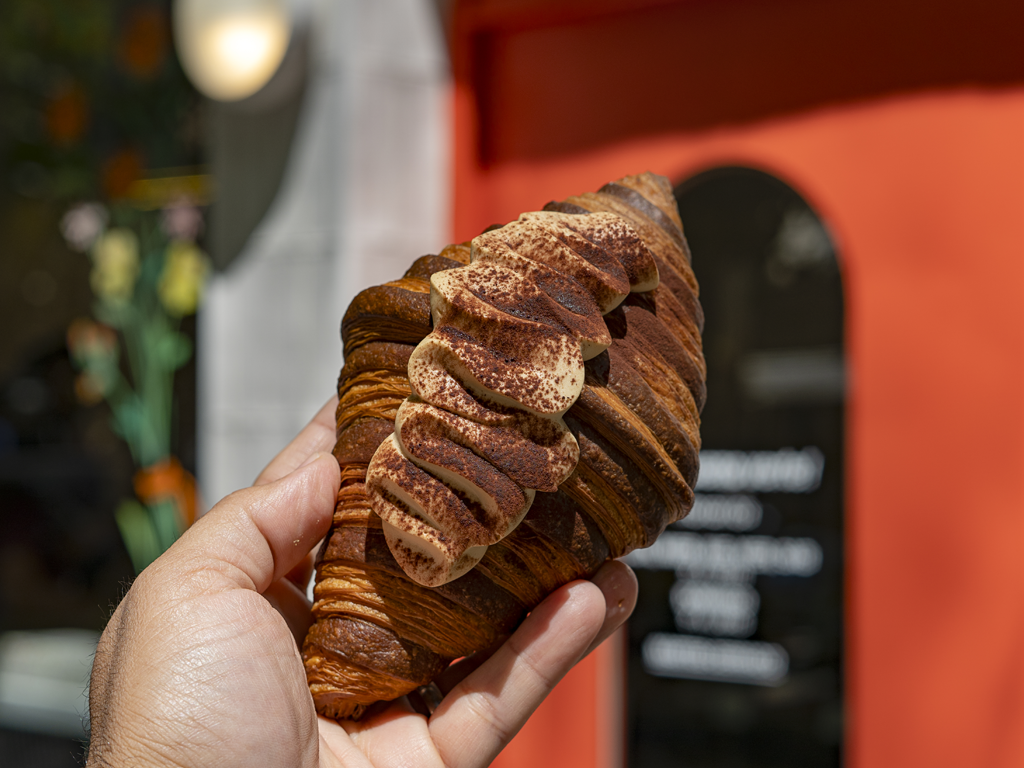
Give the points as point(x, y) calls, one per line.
point(83, 224)
point(182, 220)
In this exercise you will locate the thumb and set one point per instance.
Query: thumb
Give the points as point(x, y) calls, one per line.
point(256, 535)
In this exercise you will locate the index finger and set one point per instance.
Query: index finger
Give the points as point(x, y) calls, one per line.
point(617, 583)
point(316, 437)
point(482, 713)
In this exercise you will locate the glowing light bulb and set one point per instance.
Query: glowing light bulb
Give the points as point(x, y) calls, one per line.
point(231, 48)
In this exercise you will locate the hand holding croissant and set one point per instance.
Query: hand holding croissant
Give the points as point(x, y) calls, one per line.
point(200, 665)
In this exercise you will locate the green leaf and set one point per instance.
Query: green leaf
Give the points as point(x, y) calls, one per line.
point(137, 531)
point(106, 372)
point(173, 350)
point(128, 422)
point(115, 314)
point(166, 523)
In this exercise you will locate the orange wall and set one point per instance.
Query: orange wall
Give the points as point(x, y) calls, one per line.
point(926, 197)
point(556, 76)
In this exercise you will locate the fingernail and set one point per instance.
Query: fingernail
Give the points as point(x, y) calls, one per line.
point(607, 579)
point(616, 582)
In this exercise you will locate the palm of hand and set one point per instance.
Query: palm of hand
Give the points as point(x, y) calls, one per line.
point(200, 666)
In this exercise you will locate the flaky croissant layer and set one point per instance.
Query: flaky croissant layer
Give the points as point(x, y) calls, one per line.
point(634, 427)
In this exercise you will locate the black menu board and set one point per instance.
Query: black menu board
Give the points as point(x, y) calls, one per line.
point(735, 647)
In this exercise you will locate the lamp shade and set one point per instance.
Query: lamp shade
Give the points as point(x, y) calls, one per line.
point(231, 48)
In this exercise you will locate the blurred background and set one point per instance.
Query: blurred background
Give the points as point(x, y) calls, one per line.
point(192, 191)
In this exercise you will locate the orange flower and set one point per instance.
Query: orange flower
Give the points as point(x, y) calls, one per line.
point(67, 115)
point(120, 171)
point(167, 479)
point(89, 389)
point(144, 42)
point(88, 339)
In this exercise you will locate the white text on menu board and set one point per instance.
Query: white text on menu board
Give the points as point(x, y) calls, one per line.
point(714, 593)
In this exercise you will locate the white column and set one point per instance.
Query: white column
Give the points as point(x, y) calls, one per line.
point(366, 192)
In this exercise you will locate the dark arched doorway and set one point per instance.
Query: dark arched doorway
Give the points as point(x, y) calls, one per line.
point(736, 643)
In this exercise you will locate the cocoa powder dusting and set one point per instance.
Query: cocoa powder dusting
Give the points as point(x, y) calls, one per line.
point(508, 328)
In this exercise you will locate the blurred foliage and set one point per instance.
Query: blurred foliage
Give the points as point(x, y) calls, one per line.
point(147, 274)
point(92, 95)
point(94, 104)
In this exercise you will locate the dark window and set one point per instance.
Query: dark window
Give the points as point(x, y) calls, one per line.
point(736, 646)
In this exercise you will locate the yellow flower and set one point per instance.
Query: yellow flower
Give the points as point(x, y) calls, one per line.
point(183, 279)
point(115, 256)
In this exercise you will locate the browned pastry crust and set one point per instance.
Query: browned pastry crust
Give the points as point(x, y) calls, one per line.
point(379, 635)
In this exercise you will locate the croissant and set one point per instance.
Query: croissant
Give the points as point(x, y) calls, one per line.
point(516, 467)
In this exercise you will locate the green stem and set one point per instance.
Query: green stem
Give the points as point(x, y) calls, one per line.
point(141, 437)
point(144, 328)
point(162, 373)
point(123, 401)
